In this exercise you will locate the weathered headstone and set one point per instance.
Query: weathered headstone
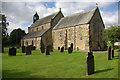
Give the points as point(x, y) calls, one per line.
point(69, 50)
point(90, 63)
point(28, 50)
point(58, 48)
point(47, 50)
point(109, 53)
point(62, 49)
point(12, 51)
point(31, 46)
point(42, 47)
point(23, 49)
point(71, 46)
point(112, 52)
point(34, 47)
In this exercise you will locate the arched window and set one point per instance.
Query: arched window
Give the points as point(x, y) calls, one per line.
point(80, 33)
point(37, 29)
point(42, 27)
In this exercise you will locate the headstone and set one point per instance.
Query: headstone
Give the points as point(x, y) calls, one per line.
point(58, 48)
point(23, 49)
point(28, 50)
point(31, 46)
point(69, 50)
point(109, 53)
point(90, 63)
point(112, 52)
point(47, 50)
point(12, 51)
point(34, 47)
point(71, 46)
point(62, 49)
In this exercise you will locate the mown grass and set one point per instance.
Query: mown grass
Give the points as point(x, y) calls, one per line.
point(56, 65)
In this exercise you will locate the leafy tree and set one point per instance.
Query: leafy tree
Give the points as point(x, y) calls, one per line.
point(112, 34)
point(15, 36)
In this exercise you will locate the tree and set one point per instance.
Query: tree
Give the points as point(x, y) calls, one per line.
point(16, 35)
point(112, 34)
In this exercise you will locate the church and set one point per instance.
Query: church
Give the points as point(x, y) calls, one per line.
point(84, 30)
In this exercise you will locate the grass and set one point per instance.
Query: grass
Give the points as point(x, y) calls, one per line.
point(56, 65)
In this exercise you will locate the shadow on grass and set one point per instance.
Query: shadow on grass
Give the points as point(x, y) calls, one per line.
point(11, 74)
point(99, 71)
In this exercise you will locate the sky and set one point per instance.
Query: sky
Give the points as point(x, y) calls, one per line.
point(20, 14)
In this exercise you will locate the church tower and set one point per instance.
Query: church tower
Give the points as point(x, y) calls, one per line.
point(35, 17)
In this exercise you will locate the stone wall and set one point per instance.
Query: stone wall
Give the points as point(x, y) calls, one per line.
point(66, 36)
point(38, 28)
point(97, 32)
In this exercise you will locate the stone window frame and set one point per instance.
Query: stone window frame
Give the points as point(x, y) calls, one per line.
point(42, 27)
point(81, 34)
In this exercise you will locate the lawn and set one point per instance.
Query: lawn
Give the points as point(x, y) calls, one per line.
point(56, 65)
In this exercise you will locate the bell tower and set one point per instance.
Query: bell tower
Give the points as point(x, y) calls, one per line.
point(35, 17)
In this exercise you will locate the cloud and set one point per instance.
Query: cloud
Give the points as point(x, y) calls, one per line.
point(21, 13)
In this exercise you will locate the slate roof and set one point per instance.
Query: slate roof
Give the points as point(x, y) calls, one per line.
point(35, 34)
point(44, 20)
point(76, 19)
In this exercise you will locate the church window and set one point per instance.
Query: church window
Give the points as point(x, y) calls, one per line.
point(80, 33)
point(37, 29)
point(42, 28)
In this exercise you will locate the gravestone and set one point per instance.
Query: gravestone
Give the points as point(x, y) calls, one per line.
point(112, 52)
point(109, 53)
point(23, 49)
point(34, 47)
point(62, 49)
point(71, 46)
point(12, 51)
point(69, 50)
point(31, 46)
point(90, 63)
point(28, 50)
point(47, 50)
point(58, 48)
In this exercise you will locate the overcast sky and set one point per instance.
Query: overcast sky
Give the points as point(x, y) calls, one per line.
point(20, 14)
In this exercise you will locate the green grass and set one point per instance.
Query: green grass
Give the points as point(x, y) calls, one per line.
point(56, 65)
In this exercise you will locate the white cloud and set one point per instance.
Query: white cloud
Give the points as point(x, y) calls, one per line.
point(20, 13)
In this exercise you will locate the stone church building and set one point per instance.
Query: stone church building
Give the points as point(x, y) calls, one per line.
point(84, 30)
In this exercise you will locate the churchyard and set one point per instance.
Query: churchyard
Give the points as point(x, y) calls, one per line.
point(57, 65)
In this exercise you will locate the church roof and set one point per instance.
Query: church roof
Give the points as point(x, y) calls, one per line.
point(76, 19)
point(35, 34)
point(44, 20)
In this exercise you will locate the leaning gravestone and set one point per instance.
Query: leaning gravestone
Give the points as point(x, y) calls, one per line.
point(62, 49)
point(23, 49)
point(112, 55)
point(90, 63)
point(28, 50)
point(12, 51)
point(109, 53)
point(58, 48)
point(69, 50)
point(47, 50)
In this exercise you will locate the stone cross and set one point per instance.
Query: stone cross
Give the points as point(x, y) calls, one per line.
point(109, 53)
point(12, 51)
point(90, 63)
point(28, 50)
point(23, 49)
